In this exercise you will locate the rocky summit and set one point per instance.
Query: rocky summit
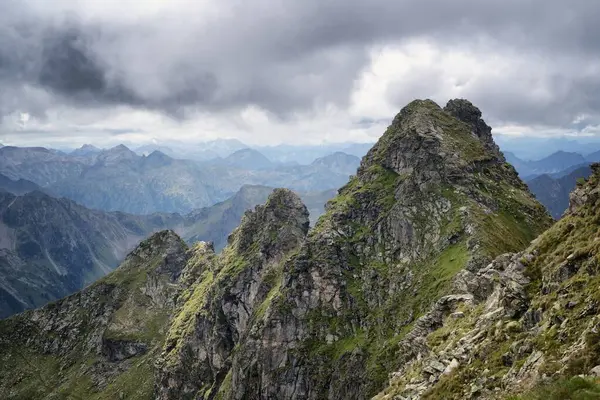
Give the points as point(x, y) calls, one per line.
point(419, 281)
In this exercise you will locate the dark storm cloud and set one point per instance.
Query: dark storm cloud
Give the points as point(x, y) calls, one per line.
point(292, 55)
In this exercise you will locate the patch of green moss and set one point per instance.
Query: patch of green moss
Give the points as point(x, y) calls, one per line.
point(183, 323)
point(225, 387)
point(273, 279)
point(575, 388)
point(137, 383)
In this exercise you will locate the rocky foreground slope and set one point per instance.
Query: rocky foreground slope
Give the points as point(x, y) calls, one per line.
point(284, 312)
point(527, 320)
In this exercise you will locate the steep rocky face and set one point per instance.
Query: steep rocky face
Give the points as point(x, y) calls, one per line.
point(101, 342)
point(523, 322)
point(433, 197)
point(229, 294)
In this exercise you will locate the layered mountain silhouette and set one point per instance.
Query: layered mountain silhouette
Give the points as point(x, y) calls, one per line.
point(119, 179)
point(403, 289)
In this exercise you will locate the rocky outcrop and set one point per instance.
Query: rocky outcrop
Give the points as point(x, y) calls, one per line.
point(429, 200)
point(325, 316)
point(228, 296)
point(101, 340)
point(527, 319)
point(466, 112)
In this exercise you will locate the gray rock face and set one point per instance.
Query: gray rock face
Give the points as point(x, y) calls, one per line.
point(466, 112)
point(499, 288)
point(528, 319)
point(366, 270)
point(216, 317)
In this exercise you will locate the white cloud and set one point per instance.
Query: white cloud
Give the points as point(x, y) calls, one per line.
point(270, 71)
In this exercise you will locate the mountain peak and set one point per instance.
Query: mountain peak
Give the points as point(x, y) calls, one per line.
point(89, 147)
point(283, 216)
point(119, 148)
point(435, 144)
point(334, 158)
point(466, 112)
point(420, 116)
point(86, 149)
point(157, 159)
point(165, 250)
point(248, 159)
point(116, 155)
point(157, 243)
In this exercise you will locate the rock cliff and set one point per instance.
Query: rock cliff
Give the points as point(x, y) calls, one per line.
point(432, 198)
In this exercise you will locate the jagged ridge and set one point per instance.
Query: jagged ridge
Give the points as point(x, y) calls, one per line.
point(434, 196)
point(230, 293)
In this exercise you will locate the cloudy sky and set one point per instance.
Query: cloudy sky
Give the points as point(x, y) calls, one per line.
point(272, 71)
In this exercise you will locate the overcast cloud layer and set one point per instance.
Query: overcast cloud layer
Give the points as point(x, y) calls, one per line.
point(270, 71)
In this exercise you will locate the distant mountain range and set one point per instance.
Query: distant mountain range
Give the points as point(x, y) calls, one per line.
point(17, 187)
point(210, 150)
point(535, 148)
point(554, 163)
point(222, 148)
point(552, 178)
point(118, 179)
point(303, 155)
point(553, 191)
